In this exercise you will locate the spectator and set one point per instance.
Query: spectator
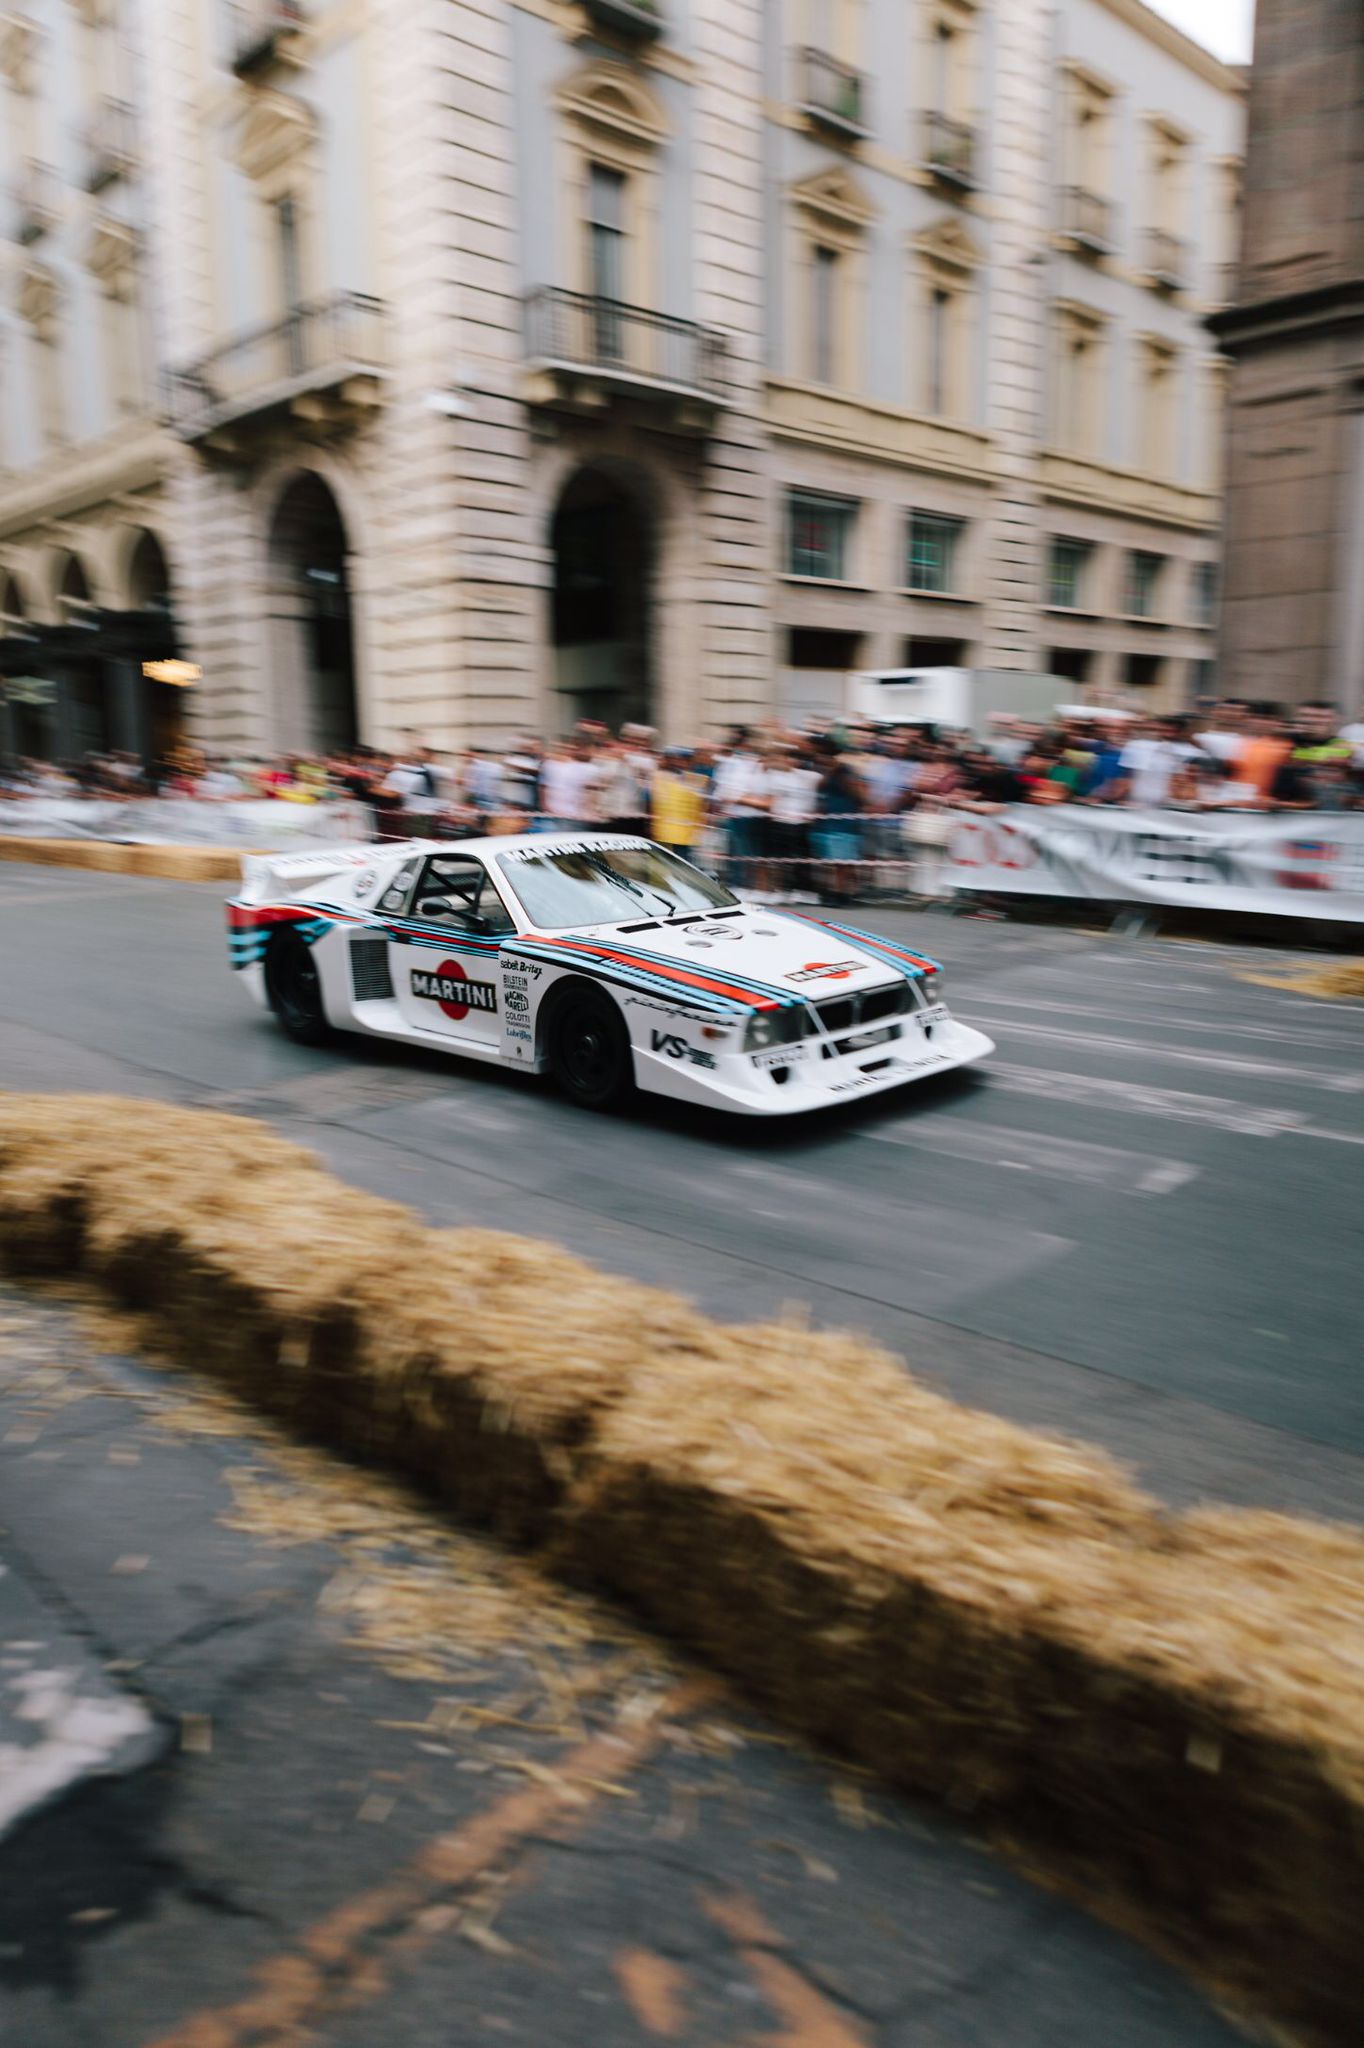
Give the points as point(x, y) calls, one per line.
point(740, 798)
point(1263, 751)
point(677, 803)
point(793, 792)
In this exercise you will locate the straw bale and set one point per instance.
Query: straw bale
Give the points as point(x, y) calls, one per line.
point(115, 857)
point(1167, 1711)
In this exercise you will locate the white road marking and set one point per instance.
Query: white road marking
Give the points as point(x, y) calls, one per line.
point(1070, 1159)
point(1220, 1062)
point(1219, 1112)
point(1168, 1020)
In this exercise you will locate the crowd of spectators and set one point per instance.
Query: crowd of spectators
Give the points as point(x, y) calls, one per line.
point(786, 811)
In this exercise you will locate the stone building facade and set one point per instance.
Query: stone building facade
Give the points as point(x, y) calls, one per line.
point(519, 359)
point(1293, 626)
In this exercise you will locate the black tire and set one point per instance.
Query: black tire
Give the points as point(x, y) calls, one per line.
point(589, 1050)
point(294, 989)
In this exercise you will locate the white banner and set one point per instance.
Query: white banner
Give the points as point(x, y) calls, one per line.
point(266, 824)
point(1293, 864)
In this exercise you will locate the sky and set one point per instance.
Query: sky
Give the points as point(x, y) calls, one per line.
point(1223, 26)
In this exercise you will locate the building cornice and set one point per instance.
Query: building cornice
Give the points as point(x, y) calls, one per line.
point(85, 476)
point(1259, 322)
point(1158, 30)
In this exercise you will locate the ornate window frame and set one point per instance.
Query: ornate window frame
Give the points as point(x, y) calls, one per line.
point(608, 116)
point(829, 211)
point(947, 262)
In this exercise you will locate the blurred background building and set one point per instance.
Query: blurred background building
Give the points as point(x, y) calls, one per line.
point(492, 365)
point(1294, 625)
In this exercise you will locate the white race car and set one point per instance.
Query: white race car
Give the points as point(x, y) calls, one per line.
point(602, 958)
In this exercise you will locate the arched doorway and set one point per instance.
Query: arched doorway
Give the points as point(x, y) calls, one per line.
point(148, 576)
point(28, 727)
point(312, 640)
point(156, 710)
point(87, 725)
point(602, 542)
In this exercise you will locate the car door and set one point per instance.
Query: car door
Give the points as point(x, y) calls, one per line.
point(444, 953)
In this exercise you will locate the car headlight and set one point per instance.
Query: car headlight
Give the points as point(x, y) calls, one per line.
point(773, 1027)
point(935, 986)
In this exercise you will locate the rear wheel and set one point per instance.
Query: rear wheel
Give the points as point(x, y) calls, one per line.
point(589, 1050)
point(294, 988)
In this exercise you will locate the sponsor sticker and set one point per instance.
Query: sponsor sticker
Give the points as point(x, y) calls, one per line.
point(936, 1013)
point(452, 990)
point(530, 970)
point(515, 1003)
point(828, 970)
point(553, 849)
point(677, 1049)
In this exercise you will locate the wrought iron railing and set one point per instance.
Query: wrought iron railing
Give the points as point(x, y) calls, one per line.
point(1086, 217)
point(640, 19)
point(832, 92)
point(257, 26)
point(589, 332)
point(1167, 258)
point(35, 202)
point(950, 148)
point(341, 335)
point(110, 144)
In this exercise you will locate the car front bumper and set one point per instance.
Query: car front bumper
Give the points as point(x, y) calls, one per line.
point(768, 1085)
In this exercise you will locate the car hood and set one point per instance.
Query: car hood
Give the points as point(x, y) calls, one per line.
point(790, 959)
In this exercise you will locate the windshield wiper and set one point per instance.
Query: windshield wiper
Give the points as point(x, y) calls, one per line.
point(610, 874)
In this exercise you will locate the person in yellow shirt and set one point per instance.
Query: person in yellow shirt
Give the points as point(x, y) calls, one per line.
point(677, 803)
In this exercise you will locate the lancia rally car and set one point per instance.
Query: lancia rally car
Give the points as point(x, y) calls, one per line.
point(603, 959)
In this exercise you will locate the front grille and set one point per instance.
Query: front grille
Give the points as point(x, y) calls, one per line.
point(849, 1013)
point(369, 971)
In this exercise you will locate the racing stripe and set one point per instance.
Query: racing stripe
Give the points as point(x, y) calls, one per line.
point(888, 948)
point(755, 997)
point(628, 976)
point(749, 983)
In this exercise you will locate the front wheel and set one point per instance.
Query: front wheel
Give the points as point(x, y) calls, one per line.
point(294, 989)
point(589, 1050)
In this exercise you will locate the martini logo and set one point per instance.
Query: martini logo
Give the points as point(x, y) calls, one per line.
point(450, 988)
point(827, 970)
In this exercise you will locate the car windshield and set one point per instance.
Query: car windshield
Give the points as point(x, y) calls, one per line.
point(607, 882)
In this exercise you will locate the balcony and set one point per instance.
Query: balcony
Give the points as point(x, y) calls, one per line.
point(321, 366)
point(266, 33)
point(587, 351)
point(1167, 260)
point(1087, 220)
point(949, 151)
point(640, 21)
point(110, 144)
point(35, 203)
point(832, 95)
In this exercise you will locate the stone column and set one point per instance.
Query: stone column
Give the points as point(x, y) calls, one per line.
point(1021, 189)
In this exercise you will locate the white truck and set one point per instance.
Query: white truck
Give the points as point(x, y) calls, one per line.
point(961, 697)
point(966, 698)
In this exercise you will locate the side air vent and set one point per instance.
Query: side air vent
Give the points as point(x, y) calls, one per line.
point(369, 971)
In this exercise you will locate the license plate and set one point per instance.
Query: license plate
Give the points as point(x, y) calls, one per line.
point(863, 1039)
point(779, 1056)
point(936, 1013)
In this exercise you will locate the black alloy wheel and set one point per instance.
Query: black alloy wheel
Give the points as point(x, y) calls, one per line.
point(589, 1050)
point(294, 988)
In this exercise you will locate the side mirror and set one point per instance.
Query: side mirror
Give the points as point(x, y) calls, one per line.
point(434, 906)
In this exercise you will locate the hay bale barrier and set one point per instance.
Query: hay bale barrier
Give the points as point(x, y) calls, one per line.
point(1163, 1711)
point(126, 857)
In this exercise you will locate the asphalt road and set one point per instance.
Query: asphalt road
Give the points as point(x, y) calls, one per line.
point(1139, 1224)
